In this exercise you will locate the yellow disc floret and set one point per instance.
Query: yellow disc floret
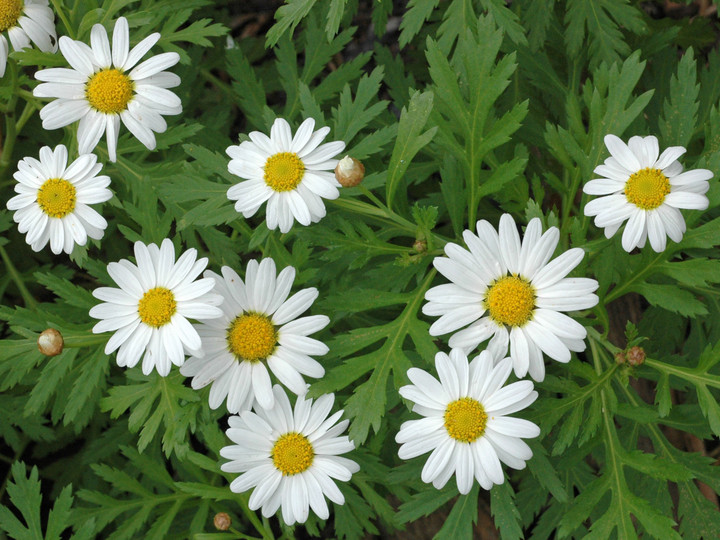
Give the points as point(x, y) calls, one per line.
point(109, 91)
point(10, 11)
point(292, 453)
point(251, 337)
point(284, 171)
point(510, 301)
point(56, 197)
point(157, 306)
point(465, 419)
point(647, 188)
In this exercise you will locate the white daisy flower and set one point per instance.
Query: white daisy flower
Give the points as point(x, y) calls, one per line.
point(508, 290)
point(290, 456)
point(105, 86)
point(149, 312)
point(259, 330)
point(25, 21)
point(291, 173)
point(465, 422)
point(53, 198)
point(646, 190)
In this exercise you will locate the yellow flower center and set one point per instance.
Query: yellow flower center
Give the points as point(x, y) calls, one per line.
point(510, 301)
point(292, 453)
point(647, 188)
point(284, 171)
point(56, 197)
point(109, 91)
point(465, 419)
point(157, 306)
point(10, 11)
point(251, 337)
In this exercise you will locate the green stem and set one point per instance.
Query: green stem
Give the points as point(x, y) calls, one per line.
point(30, 302)
point(28, 111)
point(63, 17)
point(259, 527)
point(618, 291)
point(242, 536)
point(693, 375)
point(10, 124)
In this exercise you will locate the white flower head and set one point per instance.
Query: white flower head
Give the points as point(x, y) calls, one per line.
point(106, 86)
point(290, 456)
point(466, 424)
point(25, 21)
point(646, 190)
point(508, 290)
point(258, 331)
point(149, 312)
point(52, 200)
point(292, 173)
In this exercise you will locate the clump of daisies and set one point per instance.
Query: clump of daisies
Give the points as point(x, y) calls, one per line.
point(53, 198)
point(466, 426)
point(509, 291)
point(149, 311)
point(25, 21)
point(106, 85)
point(260, 331)
point(647, 189)
point(290, 456)
point(290, 173)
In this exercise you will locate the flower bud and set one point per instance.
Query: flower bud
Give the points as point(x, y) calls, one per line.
point(222, 521)
point(420, 246)
point(620, 359)
point(636, 356)
point(349, 172)
point(50, 342)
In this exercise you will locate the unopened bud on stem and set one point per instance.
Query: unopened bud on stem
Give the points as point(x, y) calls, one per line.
point(349, 172)
point(636, 356)
point(50, 342)
point(222, 521)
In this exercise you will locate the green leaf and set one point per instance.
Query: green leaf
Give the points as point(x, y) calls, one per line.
point(699, 272)
point(672, 298)
point(25, 495)
point(410, 140)
point(418, 11)
point(334, 16)
point(679, 119)
point(155, 400)
point(288, 16)
point(504, 511)
point(459, 524)
point(602, 19)
point(425, 503)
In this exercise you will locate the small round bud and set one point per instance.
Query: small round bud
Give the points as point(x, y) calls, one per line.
point(50, 342)
point(349, 172)
point(620, 359)
point(222, 521)
point(420, 246)
point(636, 356)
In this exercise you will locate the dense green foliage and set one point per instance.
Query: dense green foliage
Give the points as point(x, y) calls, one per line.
point(479, 109)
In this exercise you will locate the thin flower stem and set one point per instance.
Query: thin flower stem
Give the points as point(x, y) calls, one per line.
point(596, 357)
point(61, 13)
point(618, 291)
point(28, 111)
point(259, 527)
point(30, 302)
point(242, 536)
point(10, 124)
